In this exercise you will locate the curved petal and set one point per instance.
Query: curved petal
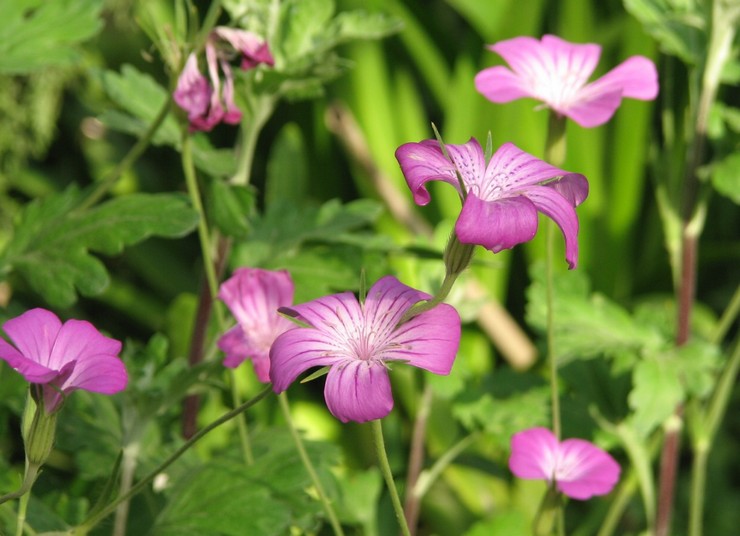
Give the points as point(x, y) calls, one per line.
point(253, 48)
point(573, 187)
point(254, 296)
point(299, 349)
point(585, 470)
point(497, 225)
point(592, 110)
point(534, 454)
point(424, 162)
point(429, 341)
point(79, 341)
point(498, 84)
point(235, 345)
point(555, 206)
point(551, 70)
point(512, 169)
point(34, 333)
point(636, 78)
point(193, 92)
point(469, 161)
point(339, 315)
point(30, 370)
point(358, 391)
point(386, 302)
point(100, 374)
point(233, 114)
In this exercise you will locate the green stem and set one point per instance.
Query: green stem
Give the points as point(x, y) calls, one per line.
point(385, 468)
point(88, 525)
point(555, 147)
point(429, 477)
point(132, 156)
point(698, 484)
point(203, 233)
point(728, 317)
point(328, 509)
point(251, 126)
point(618, 504)
point(21, 518)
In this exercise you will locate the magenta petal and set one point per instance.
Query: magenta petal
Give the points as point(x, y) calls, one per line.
point(585, 470)
point(193, 92)
point(30, 370)
point(104, 374)
point(386, 303)
point(429, 340)
point(34, 333)
point(498, 84)
point(424, 162)
point(496, 225)
point(232, 115)
point(552, 204)
point(235, 345)
point(338, 314)
point(534, 454)
point(253, 49)
point(358, 390)
point(512, 169)
point(79, 341)
point(296, 351)
point(636, 78)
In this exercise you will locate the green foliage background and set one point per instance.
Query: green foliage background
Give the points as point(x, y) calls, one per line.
point(81, 80)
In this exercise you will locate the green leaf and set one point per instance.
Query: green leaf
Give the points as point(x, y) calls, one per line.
point(217, 500)
point(586, 325)
point(677, 25)
point(656, 393)
point(230, 207)
point(354, 25)
point(287, 177)
point(726, 177)
point(36, 34)
point(52, 244)
point(142, 99)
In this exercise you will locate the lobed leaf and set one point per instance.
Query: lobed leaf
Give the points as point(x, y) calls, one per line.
point(52, 245)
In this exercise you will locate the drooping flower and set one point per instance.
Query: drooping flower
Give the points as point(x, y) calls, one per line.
point(578, 468)
point(204, 100)
point(62, 358)
point(359, 340)
point(556, 72)
point(501, 198)
point(254, 296)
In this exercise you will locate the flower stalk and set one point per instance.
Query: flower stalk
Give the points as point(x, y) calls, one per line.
point(385, 469)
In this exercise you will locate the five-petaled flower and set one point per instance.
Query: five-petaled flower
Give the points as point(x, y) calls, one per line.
point(556, 72)
point(576, 467)
point(254, 297)
point(500, 199)
point(203, 100)
point(358, 340)
point(62, 358)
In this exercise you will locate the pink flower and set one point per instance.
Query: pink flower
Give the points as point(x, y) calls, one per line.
point(502, 197)
point(203, 100)
point(556, 72)
point(578, 468)
point(61, 358)
point(254, 296)
point(359, 340)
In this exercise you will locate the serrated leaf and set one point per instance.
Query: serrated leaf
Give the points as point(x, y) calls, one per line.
point(51, 247)
point(586, 324)
point(726, 177)
point(656, 393)
point(36, 34)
